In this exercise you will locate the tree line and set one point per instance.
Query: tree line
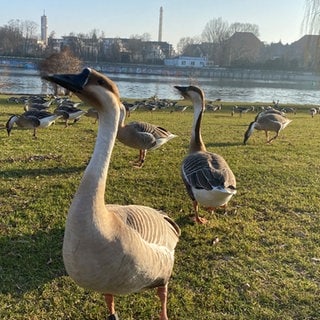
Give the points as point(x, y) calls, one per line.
point(19, 38)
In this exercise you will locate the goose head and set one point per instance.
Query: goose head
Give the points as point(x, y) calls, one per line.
point(196, 96)
point(192, 93)
point(90, 86)
point(249, 132)
point(11, 121)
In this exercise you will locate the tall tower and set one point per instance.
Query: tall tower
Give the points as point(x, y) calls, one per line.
point(160, 25)
point(44, 29)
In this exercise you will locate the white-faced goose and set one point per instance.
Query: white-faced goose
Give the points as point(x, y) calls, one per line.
point(113, 249)
point(32, 119)
point(267, 121)
point(207, 176)
point(141, 135)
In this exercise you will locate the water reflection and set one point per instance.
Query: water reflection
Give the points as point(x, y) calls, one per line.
point(22, 81)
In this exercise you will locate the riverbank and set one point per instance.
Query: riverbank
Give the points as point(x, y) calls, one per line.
point(141, 83)
point(213, 73)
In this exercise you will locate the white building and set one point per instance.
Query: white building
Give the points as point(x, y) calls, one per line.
point(183, 61)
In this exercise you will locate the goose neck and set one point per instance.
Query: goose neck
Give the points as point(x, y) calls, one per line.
point(122, 115)
point(196, 143)
point(94, 179)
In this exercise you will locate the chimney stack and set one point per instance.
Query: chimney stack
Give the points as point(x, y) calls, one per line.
point(160, 25)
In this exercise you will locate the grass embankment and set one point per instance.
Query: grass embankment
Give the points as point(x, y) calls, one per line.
point(260, 260)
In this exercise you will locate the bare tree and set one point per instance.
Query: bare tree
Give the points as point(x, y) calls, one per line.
point(216, 31)
point(29, 33)
point(185, 44)
point(11, 40)
point(244, 27)
point(143, 37)
point(311, 21)
point(311, 26)
point(62, 62)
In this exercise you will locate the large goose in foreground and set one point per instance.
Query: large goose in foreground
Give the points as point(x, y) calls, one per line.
point(32, 119)
point(113, 249)
point(141, 135)
point(207, 176)
point(267, 121)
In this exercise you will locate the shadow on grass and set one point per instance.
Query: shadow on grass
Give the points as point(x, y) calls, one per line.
point(223, 144)
point(186, 220)
point(31, 260)
point(19, 173)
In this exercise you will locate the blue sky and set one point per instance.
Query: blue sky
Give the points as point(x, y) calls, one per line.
point(277, 19)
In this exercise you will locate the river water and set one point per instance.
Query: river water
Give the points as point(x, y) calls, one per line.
point(23, 81)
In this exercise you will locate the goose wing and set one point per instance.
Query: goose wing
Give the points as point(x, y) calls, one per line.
point(145, 127)
point(143, 133)
point(205, 170)
point(28, 121)
point(41, 114)
point(153, 226)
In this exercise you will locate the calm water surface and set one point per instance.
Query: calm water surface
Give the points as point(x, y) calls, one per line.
point(21, 81)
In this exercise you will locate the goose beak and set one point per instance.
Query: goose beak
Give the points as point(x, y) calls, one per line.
point(181, 89)
point(72, 82)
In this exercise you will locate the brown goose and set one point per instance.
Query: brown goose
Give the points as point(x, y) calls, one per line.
point(113, 249)
point(92, 113)
point(267, 122)
point(141, 135)
point(207, 176)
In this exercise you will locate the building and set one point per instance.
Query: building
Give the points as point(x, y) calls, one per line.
point(242, 47)
point(44, 29)
point(183, 61)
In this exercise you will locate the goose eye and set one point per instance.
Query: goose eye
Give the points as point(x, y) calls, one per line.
point(101, 82)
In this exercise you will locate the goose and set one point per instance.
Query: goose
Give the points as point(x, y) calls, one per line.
point(208, 178)
point(32, 119)
point(241, 110)
point(267, 122)
point(37, 106)
point(214, 105)
point(271, 110)
point(213, 108)
point(313, 112)
point(141, 135)
point(289, 109)
point(92, 113)
point(130, 107)
point(69, 112)
point(179, 108)
point(110, 248)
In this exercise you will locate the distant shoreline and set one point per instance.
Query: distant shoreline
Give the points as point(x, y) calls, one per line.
point(212, 73)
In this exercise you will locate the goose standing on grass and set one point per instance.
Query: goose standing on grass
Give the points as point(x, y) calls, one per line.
point(32, 119)
point(313, 112)
point(141, 135)
point(92, 113)
point(37, 105)
point(69, 112)
point(267, 121)
point(207, 176)
point(113, 249)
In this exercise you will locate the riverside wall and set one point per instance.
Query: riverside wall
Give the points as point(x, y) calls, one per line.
point(212, 73)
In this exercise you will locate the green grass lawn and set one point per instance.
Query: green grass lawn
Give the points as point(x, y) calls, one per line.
point(259, 260)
